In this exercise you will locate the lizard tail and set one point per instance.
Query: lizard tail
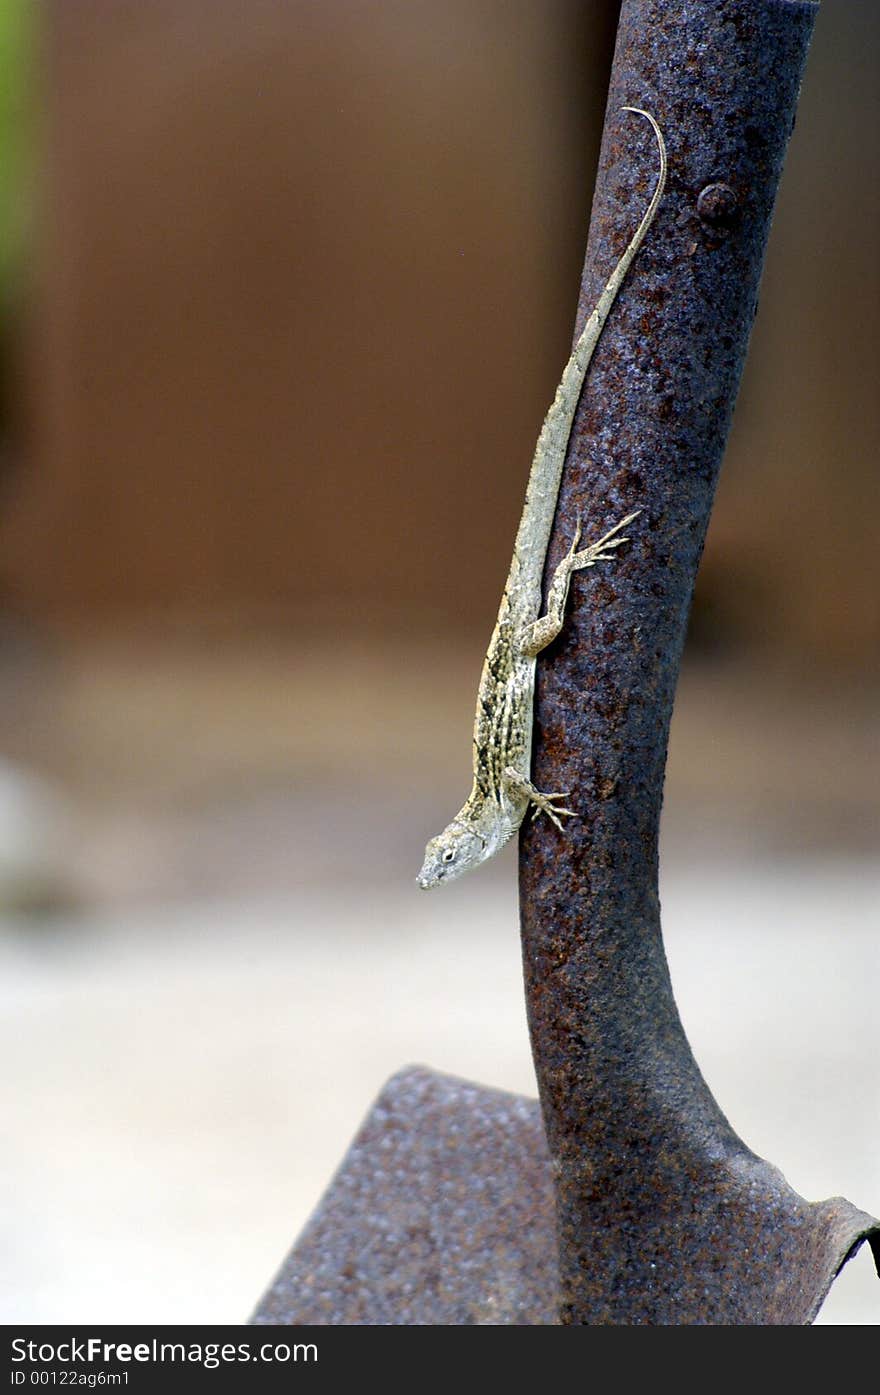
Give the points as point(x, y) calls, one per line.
point(553, 440)
point(606, 299)
point(536, 522)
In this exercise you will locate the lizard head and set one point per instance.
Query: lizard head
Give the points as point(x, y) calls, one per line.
point(457, 849)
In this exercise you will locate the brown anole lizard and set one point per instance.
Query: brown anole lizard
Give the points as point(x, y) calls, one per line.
point(502, 790)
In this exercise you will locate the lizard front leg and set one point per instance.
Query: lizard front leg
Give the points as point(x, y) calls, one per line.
point(542, 631)
point(515, 784)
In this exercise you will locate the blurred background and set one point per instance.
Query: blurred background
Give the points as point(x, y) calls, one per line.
point(281, 285)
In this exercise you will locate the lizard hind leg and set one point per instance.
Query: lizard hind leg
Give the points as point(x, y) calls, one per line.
point(544, 630)
point(522, 788)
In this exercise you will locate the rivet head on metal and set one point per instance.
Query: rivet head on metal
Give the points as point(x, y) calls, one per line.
point(717, 204)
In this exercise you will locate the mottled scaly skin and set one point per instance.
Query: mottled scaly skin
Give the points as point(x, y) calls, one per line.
point(502, 790)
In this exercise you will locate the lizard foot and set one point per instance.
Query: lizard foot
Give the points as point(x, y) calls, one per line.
point(520, 787)
point(599, 551)
point(543, 804)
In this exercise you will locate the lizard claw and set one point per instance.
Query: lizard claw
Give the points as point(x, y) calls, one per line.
point(543, 805)
point(599, 554)
point(577, 536)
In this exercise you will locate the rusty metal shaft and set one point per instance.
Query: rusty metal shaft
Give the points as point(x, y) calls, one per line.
point(664, 1215)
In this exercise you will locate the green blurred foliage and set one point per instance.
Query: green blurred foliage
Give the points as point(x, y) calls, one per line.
point(16, 32)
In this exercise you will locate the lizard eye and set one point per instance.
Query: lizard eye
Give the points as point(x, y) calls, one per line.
point(449, 855)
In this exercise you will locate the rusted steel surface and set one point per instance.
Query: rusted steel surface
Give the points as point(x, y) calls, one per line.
point(664, 1215)
point(443, 1212)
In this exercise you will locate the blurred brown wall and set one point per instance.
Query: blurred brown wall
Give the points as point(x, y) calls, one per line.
point(304, 283)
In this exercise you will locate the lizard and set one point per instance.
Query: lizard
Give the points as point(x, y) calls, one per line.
point(502, 790)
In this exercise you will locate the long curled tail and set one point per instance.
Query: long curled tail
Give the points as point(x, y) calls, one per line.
point(546, 472)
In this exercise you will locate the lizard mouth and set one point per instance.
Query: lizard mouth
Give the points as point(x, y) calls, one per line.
point(428, 878)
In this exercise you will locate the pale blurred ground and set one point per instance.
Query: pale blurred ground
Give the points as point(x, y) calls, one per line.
point(189, 1052)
